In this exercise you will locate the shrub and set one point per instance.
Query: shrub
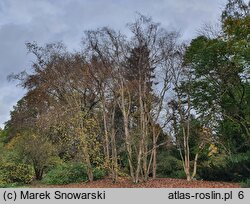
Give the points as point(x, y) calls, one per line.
point(15, 173)
point(99, 173)
point(3, 182)
point(235, 168)
point(214, 173)
point(246, 184)
point(169, 166)
point(178, 174)
point(66, 173)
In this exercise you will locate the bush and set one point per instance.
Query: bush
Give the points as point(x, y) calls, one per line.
point(234, 169)
point(3, 182)
point(99, 173)
point(169, 166)
point(71, 173)
point(246, 184)
point(66, 173)
point(178, 174)
point(214, 173)
point(15, 173)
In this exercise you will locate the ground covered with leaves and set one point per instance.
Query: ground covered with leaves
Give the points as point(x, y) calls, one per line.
point(157, 183)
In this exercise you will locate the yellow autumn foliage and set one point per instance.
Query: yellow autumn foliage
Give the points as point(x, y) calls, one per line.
point(213, 149)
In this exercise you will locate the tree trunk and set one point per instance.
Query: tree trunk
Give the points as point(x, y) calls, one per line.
point(126, 130)
point(86, 154)
point(38, 173)
point(88, 165)
point(195, 165)
point(113, 149)
point(106, 148)
point(154, 154)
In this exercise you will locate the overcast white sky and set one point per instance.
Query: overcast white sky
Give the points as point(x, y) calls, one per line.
point(48, 21)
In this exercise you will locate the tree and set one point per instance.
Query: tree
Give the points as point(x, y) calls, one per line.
point(68, 93)
point(221, 77)
point(190, 137)
point(35, 149)
point(132, 63)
